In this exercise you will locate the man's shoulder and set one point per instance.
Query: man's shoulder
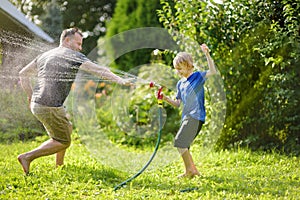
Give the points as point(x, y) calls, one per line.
point(65, 53)
point(75, 54)
point(49, 52)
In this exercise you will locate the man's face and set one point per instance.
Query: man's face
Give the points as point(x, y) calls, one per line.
point(75, 42)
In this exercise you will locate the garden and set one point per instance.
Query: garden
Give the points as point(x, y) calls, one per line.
point(249, 146)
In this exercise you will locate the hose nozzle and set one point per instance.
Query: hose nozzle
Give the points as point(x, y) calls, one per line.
point(159, 93)
point(153, 84)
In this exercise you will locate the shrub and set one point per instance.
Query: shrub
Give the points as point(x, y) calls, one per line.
point(256, 46)
point(16, 120)
point(130, 118)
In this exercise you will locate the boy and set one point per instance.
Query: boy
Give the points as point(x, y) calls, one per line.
point(190, 92)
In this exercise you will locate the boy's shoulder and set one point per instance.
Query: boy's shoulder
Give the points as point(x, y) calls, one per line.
point(200, 73)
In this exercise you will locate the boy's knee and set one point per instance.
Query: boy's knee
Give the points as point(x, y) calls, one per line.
point(182, 150)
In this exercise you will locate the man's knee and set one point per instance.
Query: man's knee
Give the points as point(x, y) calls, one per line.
point(70, 128)
point(67, 141)
point(64, 143)
point(67, 144)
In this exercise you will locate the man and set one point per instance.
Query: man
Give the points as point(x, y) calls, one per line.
point(56, 70)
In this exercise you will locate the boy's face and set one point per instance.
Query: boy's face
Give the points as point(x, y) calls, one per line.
point(183, 70)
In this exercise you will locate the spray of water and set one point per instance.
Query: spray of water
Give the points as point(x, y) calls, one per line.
point(84, 108)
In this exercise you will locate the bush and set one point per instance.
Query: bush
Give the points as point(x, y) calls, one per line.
point(131, 118)
point(256, 46)
point(16, 120)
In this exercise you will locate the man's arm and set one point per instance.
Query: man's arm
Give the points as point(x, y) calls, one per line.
point(25, 74)
point(211, 66)
point(102, 72)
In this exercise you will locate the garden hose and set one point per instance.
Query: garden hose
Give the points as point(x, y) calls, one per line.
point(160, 107)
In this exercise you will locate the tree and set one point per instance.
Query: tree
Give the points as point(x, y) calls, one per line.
point(131, 14)
point(52, 20)
point(89, 16)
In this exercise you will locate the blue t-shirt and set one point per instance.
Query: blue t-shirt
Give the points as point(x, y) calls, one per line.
point(191, 92)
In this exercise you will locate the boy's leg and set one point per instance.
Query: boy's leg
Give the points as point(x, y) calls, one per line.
point(47, 148)
point(190, 168)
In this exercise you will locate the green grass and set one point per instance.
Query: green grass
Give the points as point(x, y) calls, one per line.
point(237, 174)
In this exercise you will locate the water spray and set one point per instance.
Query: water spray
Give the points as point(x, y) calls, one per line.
point(160, 107)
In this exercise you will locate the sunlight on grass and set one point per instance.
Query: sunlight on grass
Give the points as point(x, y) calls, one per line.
point(225, 175)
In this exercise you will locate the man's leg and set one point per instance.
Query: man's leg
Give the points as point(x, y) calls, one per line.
point(61, 154)
point(47, 148)
point(60, 158)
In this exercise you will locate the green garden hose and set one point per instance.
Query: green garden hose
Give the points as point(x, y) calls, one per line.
point(160, 107)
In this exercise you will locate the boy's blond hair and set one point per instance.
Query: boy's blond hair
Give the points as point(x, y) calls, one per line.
point(183, 58)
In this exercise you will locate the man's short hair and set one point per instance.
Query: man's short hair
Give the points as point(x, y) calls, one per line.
point(69, 32)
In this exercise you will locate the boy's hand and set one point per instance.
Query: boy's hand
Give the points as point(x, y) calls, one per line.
point(205, 49)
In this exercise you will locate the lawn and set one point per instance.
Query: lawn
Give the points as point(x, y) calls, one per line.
point(239, 174)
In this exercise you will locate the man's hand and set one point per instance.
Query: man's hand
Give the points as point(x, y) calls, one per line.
point(128, 81)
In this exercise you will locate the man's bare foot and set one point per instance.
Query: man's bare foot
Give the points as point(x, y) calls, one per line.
point(24, 162)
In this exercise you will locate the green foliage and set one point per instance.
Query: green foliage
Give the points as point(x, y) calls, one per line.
point(52, 20)
point(89, 16)
point(16, 120)
point(131, 14)
point(138, 111)
point(225, 175)
point(256, 46)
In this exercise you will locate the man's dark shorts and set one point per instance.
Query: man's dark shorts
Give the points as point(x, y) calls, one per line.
point(55, 122)
point(188, 131)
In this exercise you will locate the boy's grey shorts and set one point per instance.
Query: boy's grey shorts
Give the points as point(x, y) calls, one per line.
point(187, 132)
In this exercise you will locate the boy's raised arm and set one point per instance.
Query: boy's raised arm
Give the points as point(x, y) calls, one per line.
point(211, 66)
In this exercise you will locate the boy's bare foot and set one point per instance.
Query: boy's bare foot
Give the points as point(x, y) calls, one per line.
point(24, 162)
point(189, 174)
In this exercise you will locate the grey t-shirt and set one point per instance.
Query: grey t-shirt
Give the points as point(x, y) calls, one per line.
point(57, 70)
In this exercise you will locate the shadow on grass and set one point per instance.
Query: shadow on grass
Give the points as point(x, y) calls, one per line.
point(97, 173)
point(214, 185)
